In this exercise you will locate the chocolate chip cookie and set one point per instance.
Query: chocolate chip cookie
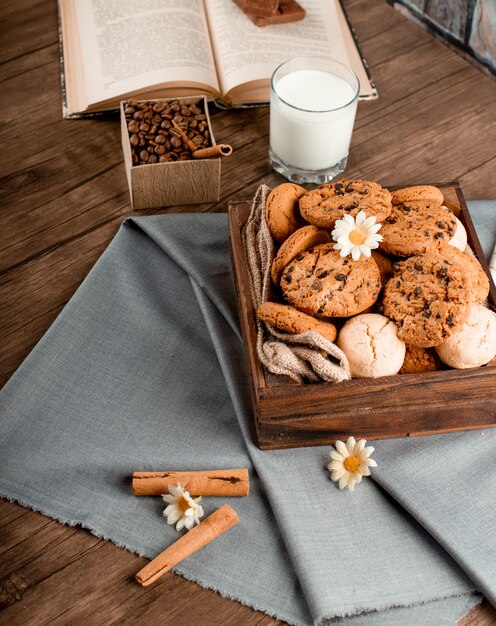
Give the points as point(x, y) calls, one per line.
point(428, 297)
point(302, 239)
point(416, 227)
point(331, 202)
point(322, 283)
point(476, 276)
point(290, 320)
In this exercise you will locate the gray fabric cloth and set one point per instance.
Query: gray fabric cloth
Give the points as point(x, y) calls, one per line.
point(132, 376)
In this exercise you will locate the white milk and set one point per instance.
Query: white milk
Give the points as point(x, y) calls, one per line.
point(316, 134)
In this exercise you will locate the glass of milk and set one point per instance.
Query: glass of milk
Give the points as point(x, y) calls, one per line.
point(313, 103)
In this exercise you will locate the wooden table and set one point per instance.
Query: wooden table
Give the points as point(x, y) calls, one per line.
point(63, 195)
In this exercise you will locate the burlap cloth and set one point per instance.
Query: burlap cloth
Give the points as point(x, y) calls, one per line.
point(305, 357)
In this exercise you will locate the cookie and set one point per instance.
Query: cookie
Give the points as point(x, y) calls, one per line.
point(301, 240)
point(417, 227)
point(372, 346)
point(474, 344)
point(420, 360)
point(476, 276)
point(422, 193)
point(282, 212)
point(385, 266)
point(429, 299)
point(322, 283)
point(290, 320)
point(331, 202)
point(459, 239)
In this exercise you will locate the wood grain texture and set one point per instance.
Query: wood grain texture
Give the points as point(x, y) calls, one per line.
point(63, 195)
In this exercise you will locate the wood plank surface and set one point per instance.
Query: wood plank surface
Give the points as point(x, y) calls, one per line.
point(63, 195)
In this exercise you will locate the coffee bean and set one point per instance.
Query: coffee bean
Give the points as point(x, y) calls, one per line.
point(133, 126)
point(151, 132)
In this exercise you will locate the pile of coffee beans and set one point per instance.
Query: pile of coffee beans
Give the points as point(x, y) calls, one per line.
point(152, 135)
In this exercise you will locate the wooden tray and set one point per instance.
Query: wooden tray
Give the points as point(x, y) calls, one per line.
point(290, 415)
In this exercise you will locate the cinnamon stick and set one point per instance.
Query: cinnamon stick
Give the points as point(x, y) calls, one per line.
point(209, 529)
point(229, 482)
point(191, 145)
point(220, 150)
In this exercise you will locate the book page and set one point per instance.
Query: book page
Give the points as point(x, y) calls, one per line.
point(129, 45)
point(246, 53)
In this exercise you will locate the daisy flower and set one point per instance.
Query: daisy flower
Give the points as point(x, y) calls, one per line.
point(182, 508)
point(350, 461)
point(356, 236)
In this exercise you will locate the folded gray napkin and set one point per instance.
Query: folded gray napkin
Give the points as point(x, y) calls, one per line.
point(144, 370)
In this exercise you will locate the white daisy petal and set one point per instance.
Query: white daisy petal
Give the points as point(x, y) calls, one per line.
point(347, 219)
point(351, 484)
point(360, 218)
point(375, 228)
point(168, 498)
point(334, 465)
point(341, 447)
point(173, 517)
point(370, 463)
point(365, 250)
point(334, 454)
point(369, 223)
point(181, 523)
point(365, 471)
point(360, 445)
point(368, 450)
point(336, 474)
point(350, 444)
point(343, 481)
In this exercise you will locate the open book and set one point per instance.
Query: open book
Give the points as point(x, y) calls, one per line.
point(116, 49)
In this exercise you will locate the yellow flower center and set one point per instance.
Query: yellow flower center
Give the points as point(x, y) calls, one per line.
point(357, 237)
point(184, 505)
point(352, 463)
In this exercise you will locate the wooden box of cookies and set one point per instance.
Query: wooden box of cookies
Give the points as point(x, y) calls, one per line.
point(288, 414)
point(158, 173)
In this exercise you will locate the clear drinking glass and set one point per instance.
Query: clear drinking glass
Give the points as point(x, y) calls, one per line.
point(313, 103)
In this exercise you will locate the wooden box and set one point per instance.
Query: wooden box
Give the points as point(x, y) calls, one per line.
point(289, 415)
point(177, 182)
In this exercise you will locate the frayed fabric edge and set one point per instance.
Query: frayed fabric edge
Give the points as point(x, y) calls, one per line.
point(477, 599)
point(176, 570)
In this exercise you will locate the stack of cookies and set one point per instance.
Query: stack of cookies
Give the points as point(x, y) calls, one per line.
point(412, 305)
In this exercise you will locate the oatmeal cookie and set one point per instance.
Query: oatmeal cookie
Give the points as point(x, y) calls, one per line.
point(282, 212)
point(322, 283)
point(331, 202)
point(422, 193)
point(420, 360)
point(290, 320)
